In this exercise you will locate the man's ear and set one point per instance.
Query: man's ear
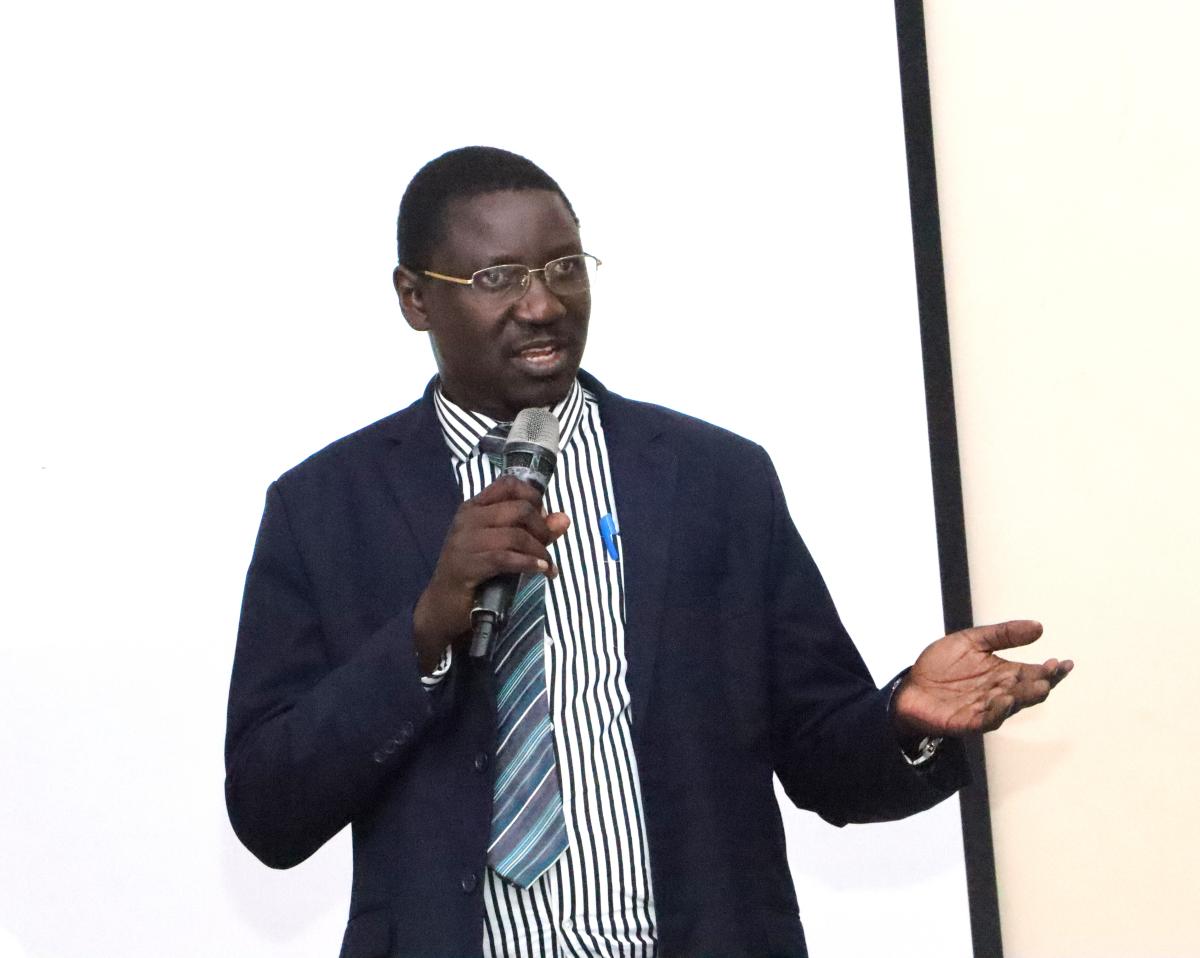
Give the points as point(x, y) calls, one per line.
point(412, 298)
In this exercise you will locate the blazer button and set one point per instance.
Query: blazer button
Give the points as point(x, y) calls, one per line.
point(378, 758)
point(469, 882)
point(481, 761)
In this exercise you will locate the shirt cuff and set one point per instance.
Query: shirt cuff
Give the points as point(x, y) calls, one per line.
point(434, 679)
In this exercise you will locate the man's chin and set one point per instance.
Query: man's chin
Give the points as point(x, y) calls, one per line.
point(544, 390)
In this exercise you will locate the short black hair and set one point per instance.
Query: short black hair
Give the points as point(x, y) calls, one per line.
point(462, 173)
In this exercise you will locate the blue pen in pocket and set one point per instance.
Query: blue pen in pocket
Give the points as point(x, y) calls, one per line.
point(608, 531)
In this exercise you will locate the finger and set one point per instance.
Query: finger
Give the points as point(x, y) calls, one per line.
point(502, 562)
point(548, 526)
point(1033, 692)
point(519, 511)
point(1052, 671)
point(505, 488)
point(1060, 671)
point(558, 523)
point(544, 527)
point(516, 513)
point(1004, 635)
point(505, 540)
point(1023, 686)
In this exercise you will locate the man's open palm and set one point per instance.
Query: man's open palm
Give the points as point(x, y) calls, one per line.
point(959, 685)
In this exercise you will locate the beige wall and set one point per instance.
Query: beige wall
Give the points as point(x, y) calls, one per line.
point(1068, 151)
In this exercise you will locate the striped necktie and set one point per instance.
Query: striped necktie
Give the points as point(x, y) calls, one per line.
point(529, 830)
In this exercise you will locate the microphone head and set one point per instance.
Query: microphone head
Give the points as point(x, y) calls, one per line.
point(532, 447)
point(534, 427)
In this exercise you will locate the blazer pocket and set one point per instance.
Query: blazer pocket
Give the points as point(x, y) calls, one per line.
point(368, 935)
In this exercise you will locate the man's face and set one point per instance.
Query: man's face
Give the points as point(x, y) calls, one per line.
point(500, 359)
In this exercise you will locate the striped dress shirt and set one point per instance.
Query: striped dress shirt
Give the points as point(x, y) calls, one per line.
point(596, 899)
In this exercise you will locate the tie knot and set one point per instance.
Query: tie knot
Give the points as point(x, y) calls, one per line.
point(492, 442)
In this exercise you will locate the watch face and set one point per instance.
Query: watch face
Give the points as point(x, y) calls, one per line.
point(925, 751)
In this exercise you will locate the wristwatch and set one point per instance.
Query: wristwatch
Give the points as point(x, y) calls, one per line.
point(924, 751)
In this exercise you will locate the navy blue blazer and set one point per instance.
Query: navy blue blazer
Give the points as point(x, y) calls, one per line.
point(739, 669)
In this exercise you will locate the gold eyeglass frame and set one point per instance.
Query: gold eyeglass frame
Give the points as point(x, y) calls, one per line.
point(529, 271)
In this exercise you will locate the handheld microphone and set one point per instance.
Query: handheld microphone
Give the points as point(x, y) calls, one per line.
point(530, 454)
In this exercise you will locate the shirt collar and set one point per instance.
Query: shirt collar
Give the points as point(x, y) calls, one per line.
point(462, 428)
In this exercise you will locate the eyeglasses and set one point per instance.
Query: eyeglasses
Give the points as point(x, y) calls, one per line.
point(565, 276)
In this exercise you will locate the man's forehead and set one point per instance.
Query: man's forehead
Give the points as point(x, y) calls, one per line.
point(508, 224)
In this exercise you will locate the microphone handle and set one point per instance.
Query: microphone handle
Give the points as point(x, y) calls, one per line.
point(491, 605)
point(531, 463)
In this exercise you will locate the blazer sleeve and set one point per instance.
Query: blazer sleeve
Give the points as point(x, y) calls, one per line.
point(834, 747)
point(310, 743)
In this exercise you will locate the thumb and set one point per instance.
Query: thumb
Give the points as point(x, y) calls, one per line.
point(1004, 635)
point(558, 522)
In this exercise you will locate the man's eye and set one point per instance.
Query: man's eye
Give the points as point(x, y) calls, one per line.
point(563, 268)
point(498, 278)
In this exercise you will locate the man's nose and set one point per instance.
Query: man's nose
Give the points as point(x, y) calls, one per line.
point(539, 304)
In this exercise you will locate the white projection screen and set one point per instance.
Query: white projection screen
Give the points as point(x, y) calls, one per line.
point(199, 220)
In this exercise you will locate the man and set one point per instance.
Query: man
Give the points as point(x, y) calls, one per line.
point(601, 784)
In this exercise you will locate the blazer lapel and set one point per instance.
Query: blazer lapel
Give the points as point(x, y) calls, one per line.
point(422, 479)
point(644, 469)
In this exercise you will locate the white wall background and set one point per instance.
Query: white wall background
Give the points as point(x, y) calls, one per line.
point(197, 239)
point(1067, 149)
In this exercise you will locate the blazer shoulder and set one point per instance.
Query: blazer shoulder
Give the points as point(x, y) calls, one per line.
point(353, 450)
point(688, 433)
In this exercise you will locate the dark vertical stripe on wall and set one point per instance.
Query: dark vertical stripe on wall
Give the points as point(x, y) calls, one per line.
point(943, 446)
